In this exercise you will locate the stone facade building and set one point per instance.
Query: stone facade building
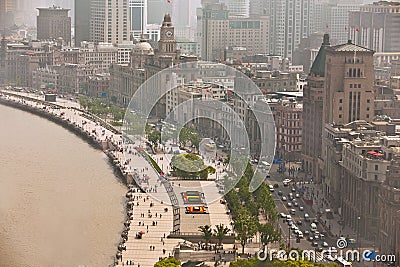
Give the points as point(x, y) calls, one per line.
point(145, 61)
point(312, 112)
point(288, 122)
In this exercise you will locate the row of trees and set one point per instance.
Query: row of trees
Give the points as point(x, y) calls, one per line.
point(219, 232)
point(102, 108)
point(186, 135)
point(247, 207)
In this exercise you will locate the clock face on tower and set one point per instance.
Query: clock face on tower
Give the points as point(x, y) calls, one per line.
point(168, 34)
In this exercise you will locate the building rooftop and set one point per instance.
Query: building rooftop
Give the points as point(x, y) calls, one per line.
point(350, 47)
point(318, 66)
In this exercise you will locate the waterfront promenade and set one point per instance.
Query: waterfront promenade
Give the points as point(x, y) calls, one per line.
point(149, 208)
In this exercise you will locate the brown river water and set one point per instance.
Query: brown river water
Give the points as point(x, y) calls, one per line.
point(60, 202)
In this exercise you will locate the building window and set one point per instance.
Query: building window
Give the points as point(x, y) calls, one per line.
point(376, 167)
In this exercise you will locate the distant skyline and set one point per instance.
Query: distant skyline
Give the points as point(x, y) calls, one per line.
point(31, 5)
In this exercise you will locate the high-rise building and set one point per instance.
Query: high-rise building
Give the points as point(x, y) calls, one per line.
point(349, 84)
point(219, 31)
point(7, 6)
point(336, 24)
point(258, 7)
point(138, 16)
point(7, 12)
point(183, 15)
point(110, 21)
point(376, 26)
point(289, 22)
point(53, 23)
point(238, 8)
point(340, 90)
point(82, 21)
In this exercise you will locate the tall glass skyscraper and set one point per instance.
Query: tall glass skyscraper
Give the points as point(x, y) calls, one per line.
point(138, 14)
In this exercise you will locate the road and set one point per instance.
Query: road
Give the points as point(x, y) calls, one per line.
point(288, 236)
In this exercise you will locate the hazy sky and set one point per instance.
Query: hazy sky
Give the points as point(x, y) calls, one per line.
point(30, 6)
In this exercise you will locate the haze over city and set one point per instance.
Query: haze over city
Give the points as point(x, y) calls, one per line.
point(200, 133)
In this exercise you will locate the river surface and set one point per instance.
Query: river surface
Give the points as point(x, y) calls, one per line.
point(60, 202)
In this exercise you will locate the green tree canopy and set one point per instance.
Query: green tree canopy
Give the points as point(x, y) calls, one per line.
point(154, 137)
point(246, 227)
point(206, 232)
point(189, 134)
point(269, 234)
point(220, 232)
point(169, 262)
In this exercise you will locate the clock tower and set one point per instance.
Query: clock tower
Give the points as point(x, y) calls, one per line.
point(167, 43)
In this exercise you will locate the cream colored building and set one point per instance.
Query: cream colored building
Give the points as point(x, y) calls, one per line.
point(110, 21)
point(219, 31)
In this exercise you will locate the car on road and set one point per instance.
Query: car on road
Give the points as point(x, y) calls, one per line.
point(290, 222)
point(288, 217)
point(285, 184)
point(324, 244)
point(306, 232)
point(314, 244)
point(315, 221)
point(293, 227)
point(289, 204)
point(293, 189)
point(292, 211)
point(287, 181)
point(296, 204)
point(280, 193)
point(283, 215)
point(299, 222)
point(313, 227)
point(311, 238)
point(300, 235)
point(297, 195)
point(306, 217)
point(301, 208)
point(316, 237)
point(276, 186)
point(322, 236)
point(271, 188)
point(284, 198)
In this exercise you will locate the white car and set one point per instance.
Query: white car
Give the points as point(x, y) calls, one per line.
point(271, 188)
point(287, 181)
